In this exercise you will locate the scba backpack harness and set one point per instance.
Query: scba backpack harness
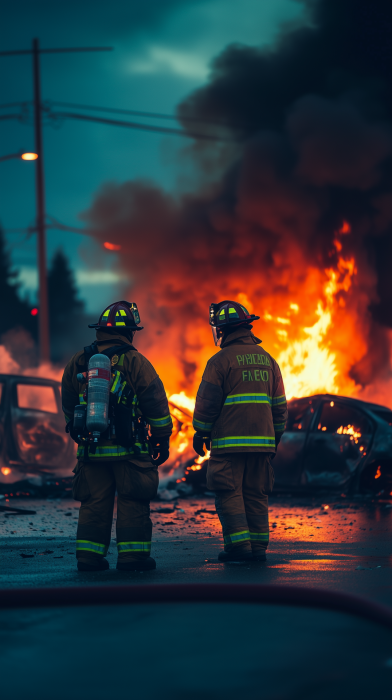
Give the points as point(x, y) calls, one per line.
point(126, 425)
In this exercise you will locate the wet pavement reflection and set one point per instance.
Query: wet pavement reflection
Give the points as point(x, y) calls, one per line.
point(327, 541)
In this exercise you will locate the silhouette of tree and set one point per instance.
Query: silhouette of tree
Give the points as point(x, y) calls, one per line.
point(15, 312)
point(65, 308)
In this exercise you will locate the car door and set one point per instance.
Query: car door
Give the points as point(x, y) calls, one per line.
point(288, 462)
point(37, 424)
point(340, 436)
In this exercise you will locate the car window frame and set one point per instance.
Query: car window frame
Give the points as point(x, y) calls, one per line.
point(316, 407)
point(340, 402)
point(36, 381)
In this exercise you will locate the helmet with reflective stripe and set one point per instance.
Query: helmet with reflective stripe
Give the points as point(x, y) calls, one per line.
point(122, 315)
point(228, 313)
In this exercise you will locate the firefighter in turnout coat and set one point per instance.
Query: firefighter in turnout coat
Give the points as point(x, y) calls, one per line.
point(126, 463)
point(240, 414)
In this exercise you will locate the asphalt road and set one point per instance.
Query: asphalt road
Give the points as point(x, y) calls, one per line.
point(330, 542)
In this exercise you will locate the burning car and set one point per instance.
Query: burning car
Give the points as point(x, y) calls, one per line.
point(331, 442)
point(335, 442)
point(33, 443)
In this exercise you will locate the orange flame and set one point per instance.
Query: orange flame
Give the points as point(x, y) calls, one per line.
point(308, 336)
point(378, 472)
point(308, 364)
point(350, 430)
point(111, 246)
point(345, 227)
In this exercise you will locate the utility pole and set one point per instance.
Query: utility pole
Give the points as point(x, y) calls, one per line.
point(43, 304)
point(44, 337)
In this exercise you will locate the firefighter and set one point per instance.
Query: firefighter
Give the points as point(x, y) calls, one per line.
point(128, 462)
point(240, 415)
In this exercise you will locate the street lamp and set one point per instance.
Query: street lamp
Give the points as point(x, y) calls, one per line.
point(29, 156)
point(23, 156)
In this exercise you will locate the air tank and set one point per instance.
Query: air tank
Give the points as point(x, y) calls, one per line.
point(99, 377)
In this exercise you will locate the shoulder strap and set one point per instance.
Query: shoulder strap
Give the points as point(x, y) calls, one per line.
point(116, 350)
point(90, 350)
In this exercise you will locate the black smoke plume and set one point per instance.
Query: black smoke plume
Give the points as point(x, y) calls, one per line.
point(311, 123)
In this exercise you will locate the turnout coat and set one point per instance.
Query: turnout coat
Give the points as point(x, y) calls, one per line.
point(241, 399)
point(149, 398)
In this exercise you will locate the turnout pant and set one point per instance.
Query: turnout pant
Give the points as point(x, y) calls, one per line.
point(95, 484)
point(242, 482)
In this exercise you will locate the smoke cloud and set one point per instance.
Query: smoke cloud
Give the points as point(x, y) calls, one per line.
point(311, 123)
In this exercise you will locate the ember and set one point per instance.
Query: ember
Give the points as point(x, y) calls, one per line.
point(351, 431)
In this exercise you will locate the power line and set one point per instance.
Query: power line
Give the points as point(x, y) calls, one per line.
point(142, 127)
point(67, 50)
point(14, 104)
point(9, 116)
point(137, 113)
point(53, 223)
point(132, 112)
point(30, 229)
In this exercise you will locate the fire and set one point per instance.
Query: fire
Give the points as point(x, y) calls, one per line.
point(309, 322)
point(378, 472)
point(111, 246)
point(345, 227)
point(307, 359)
point(183, 401)
point(351, 431)
point(312, 356)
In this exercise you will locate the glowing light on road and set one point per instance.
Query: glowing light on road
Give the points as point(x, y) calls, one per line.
point(29, 156)
point(111, 246)
point(345, 228)
point(6, 471)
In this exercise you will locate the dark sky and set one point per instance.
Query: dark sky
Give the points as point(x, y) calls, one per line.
point(162, 52)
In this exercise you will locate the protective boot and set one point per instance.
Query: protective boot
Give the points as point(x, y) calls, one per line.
point(237, 555)
point(99, 565)
point(138, 565)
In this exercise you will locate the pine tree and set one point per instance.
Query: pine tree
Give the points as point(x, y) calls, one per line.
point(15, 312)
point(65, 308)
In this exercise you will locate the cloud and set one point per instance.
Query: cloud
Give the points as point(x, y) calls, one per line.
point(28, 277)
point(165, 60)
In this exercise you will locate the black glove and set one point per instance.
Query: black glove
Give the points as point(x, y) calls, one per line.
point(277, 441)
point(160, 449)
point(69, 428)
point(199, 440)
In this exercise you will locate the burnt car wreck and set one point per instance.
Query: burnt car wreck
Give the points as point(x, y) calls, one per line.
point(33, 444)
point(335, 442)
point(331, 442)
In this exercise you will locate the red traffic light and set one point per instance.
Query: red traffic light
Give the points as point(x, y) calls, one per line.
point(34, 312)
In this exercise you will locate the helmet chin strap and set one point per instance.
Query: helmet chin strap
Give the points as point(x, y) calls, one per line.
point(217, 335)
